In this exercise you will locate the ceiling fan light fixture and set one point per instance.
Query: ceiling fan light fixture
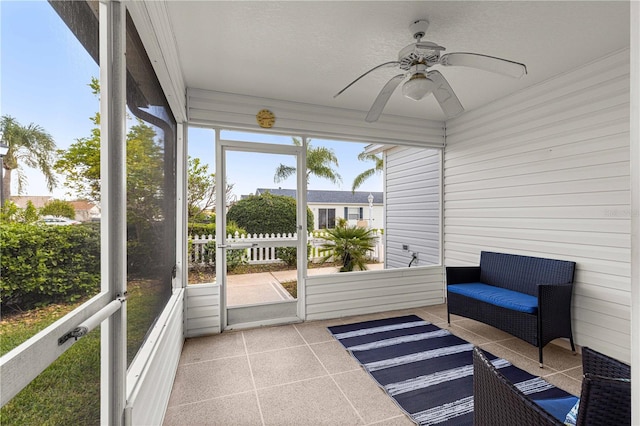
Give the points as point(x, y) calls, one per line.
point(418, 86)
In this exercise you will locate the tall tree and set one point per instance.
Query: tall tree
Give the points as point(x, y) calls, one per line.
point(201, 189)
point(377, 168)
point(320, 162)
point(80, 163)
point(30, 146)
point(58, 208)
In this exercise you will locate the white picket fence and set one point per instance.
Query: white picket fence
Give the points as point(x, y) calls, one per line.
point(202, 247)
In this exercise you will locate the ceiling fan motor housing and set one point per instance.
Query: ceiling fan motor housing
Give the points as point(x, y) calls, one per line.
point(423, 52)
point(419, 28)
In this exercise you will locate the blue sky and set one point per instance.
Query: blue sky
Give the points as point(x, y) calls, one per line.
point(250, 171)
point(44, 77)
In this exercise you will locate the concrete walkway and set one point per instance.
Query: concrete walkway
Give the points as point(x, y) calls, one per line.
point(262, 287)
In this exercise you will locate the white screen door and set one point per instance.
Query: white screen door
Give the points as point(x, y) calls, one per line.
point(260, 273)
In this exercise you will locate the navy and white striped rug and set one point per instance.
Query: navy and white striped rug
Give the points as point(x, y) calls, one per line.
point(427, 370)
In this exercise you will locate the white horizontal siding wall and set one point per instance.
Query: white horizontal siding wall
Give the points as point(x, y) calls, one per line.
point(376, 212)
point(545, 172)
point(160, 354)
point(202, 310)
point(231, 111)
point(412, 203)
point(355, 293)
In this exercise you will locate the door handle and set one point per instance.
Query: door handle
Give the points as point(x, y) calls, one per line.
point(238, 245)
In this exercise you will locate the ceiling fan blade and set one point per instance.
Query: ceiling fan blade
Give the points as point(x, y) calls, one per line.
point(383, 97)
point(445, 96)
point(386, 64)
point(484, 62)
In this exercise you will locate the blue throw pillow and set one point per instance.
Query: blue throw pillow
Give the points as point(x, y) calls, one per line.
point(572, 416)
point(558, 407)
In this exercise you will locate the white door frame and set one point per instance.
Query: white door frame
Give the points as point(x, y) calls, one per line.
point(222, 146)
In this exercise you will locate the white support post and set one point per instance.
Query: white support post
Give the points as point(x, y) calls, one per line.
point(182, 250)
point(113, 354)
point(221, 220)
point(301, 204)
point(635, 212)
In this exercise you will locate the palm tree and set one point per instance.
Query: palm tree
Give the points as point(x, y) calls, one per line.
point(350, 245)
point(31, 146)
point(378, 168)
point(319, 163)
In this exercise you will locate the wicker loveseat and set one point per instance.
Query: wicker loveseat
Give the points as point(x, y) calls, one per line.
point(605, 398)
point(528, 297)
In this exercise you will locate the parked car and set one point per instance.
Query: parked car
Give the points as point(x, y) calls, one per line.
point(58, 220)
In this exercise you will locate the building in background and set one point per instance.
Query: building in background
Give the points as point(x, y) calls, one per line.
point(328, 206)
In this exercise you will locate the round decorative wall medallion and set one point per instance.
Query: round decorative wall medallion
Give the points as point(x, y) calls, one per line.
point(265, 118)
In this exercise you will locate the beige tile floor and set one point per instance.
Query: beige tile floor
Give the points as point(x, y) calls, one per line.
point(298, 374)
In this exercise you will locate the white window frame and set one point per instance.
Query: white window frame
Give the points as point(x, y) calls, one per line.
point(24, 363)
point(355, 211)
point(326, 217)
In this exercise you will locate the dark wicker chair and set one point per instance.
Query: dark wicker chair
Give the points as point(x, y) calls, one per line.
point(605, 398)
point(497, 402)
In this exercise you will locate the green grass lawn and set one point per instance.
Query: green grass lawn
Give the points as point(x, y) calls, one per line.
point(68, 391)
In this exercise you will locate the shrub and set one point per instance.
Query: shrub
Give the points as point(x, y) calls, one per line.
point(10, 212)
point(29, 214)
point(45, 264)
point(201, 229)
point(349, 245)
point(210, 228)
point(267, 214)
point(235, 257)
point(58, 208)
point(289, 255)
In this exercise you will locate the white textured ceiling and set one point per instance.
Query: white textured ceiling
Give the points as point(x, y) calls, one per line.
point(307, 51)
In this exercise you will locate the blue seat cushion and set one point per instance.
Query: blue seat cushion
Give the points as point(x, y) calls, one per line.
point(558, 407)
point(497, 296)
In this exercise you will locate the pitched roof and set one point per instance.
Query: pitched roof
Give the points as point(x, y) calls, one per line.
point(38, 201)
point(82, 205)
point(329, 196)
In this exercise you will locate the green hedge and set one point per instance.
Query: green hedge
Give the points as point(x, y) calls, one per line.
point(43, 264)
point(267, 214)
point(201, 229)
point(210, 228)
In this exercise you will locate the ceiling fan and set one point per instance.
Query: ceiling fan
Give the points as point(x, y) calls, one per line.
point(415, 61)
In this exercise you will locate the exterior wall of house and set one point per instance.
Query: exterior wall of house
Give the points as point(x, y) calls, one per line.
point(376, 213)
point(86, 211)
point(545, 172)
point(412, 206)
point(364, 292)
